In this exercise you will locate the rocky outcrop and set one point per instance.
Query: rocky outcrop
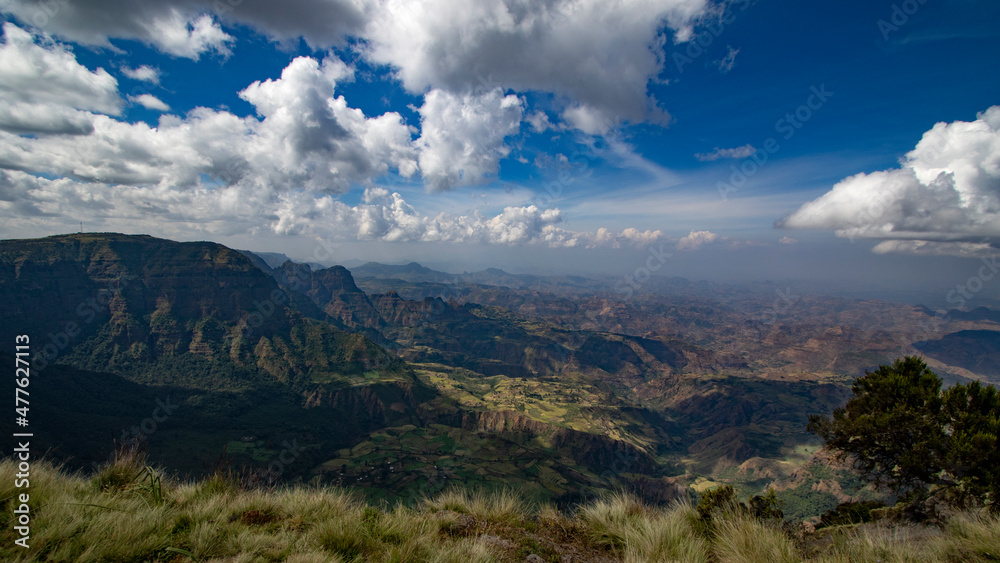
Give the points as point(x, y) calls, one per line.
point(149, 308)
point(334, 292)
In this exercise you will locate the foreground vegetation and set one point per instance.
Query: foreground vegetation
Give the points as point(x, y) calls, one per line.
point(127, 512)
point(905, 433)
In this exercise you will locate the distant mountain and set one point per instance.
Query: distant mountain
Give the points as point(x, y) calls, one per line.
point(412, 272)
point(974, 350)
point(414, 279)
point(977, 314)
point(275, 259)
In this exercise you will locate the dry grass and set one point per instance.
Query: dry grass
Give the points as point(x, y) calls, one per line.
point(120, 515)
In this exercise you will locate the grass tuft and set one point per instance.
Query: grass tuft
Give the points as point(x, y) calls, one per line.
point(127, 513)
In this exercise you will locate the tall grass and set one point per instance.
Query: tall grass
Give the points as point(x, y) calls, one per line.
point(640, 533)
point(742, 539)
point(128, 512)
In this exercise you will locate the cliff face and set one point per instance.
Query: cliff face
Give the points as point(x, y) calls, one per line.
point(141, 306)
point(334, 292)
point(90, 279)
point(204, 325)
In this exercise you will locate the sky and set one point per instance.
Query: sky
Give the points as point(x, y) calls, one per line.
point(743, 139)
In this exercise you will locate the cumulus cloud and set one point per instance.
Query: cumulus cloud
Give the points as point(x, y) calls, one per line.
point(385, 216)
point(178, 34)
point(48, 73)
point(381, 215)
point(462, 136)
point(150, 101)
point(144, 73)
point(787, 240)
point(310, 138)
point(738, 152)
point(944, 197)
point(597, 58)
point(182, 29)
point(305, 137)
point(596, 54)
point(65, 151)
point(628, 237)
point(697, 239)
point(599, 55)
point(44, 119)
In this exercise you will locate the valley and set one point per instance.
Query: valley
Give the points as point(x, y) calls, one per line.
point(400, 381)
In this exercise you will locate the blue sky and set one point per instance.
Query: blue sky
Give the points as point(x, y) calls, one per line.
point(751, 139)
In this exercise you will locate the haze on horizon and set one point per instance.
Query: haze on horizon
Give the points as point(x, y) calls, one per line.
point(856, 142)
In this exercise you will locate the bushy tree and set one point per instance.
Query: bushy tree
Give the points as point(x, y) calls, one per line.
point(903, 433)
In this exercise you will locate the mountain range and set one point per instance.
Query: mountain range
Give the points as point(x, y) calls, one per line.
point(397, 381)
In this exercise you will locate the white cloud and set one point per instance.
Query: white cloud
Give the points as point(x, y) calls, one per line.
point(310, 139)
point(966, 249)
point(305, 137)
point(48, 73)
point(144, 73)
point(599, 55)
point(696, 239)
point(539, 121)
point(462, 136)
point(946, 191)
point(150, 101)
point(178, 34)
point(738, 152)
point(596, 57)
point(181, 28)
point(26, 200)
point(94, 22)
point(628, 237)
point(385, 216)
point(590, 120)
point(44, 119)
point(787, 240)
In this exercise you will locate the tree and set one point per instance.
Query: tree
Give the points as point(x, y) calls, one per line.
point(903, 433)
point(892, 426)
